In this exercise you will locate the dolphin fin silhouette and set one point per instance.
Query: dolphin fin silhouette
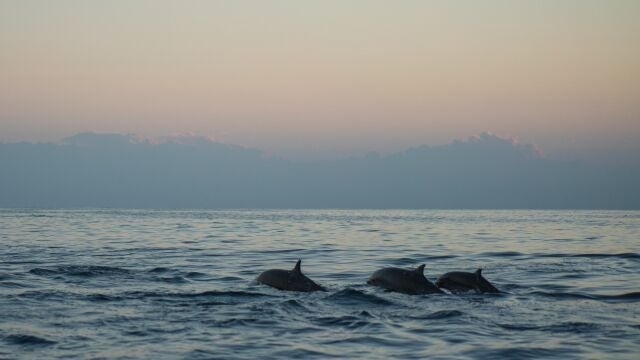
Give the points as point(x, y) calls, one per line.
point(296, 268)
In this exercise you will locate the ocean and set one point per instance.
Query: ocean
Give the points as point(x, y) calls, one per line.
point(160, 284)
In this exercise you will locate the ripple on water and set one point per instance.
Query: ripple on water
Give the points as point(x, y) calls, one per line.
point(171, 279)
point(346, 321)
point(524, 352)
point(506, 254)
point(627, 297)
point(438, 315)
point(627, 255)
point(569, 327)
point(80, 271)
point(27, 340)
point(14, 285)
point(351, 296)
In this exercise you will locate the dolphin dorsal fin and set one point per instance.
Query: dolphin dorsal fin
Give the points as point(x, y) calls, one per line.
point(420, 269)
point(297, 267)
point(479, 273)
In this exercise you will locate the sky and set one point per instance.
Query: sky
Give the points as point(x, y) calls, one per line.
point(326, 79)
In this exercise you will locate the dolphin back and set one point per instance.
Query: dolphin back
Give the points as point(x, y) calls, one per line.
point(459, 281)
point(403, 281)
point(290, 280)
point(484, 284)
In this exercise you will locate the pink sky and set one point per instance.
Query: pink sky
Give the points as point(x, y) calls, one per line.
point(328, 78)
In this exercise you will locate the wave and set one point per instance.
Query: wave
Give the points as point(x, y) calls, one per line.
point(226, 323)
point(43, 295)
point(520, 353)
point(508, 254)
point(214, 293)
point(102, 297)
point(439, 257)
point(502, 254)
point(50, 295)
point(593, 255)
point(347, 321)
point(160, 274)
point(442, 314)
point(418, 259)
point(367, 340)
point(164, 270)
point(627, 296)
point(195, 295)
point(13, 285)
point(404, 261)
point(159, 270)
point(351, 296)
point(632, 296)
point(293, 304)
point(195, 274)
point(80, 271)
point(28, 340)
point(621, 255)
point(171, 279)
point(302, 353)
point(570, 327)
point(55, 295)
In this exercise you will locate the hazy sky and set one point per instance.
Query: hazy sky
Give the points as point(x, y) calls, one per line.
point(325, 78)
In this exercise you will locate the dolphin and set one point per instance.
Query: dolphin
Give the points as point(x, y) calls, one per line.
point(291, 280)
point(459, 281)
point(403, 280)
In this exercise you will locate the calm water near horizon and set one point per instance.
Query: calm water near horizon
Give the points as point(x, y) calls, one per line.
point(179, 284)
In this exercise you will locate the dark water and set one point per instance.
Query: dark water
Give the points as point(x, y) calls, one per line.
point(178, 284)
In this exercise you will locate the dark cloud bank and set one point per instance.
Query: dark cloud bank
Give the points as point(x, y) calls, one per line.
point(112, 170)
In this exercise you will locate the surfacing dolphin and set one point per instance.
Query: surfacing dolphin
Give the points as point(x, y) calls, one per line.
point(459, 281)
point(403, 280)
point(291, 280)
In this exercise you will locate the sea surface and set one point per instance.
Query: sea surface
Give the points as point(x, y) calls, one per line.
point(129, 284)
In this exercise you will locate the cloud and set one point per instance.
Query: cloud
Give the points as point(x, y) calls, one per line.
point(90, 139)
point(192, 171)
point(484, 145)
point(187, 139)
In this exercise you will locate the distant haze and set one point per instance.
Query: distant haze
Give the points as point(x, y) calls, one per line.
point(327, 79)
point(127, 171)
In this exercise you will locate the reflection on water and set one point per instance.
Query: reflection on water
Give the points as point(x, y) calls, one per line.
point(179, 284)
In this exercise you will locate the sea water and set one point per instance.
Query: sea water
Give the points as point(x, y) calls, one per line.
point(180, 284)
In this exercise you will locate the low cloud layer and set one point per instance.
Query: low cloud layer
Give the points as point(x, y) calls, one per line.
point(187, 171)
